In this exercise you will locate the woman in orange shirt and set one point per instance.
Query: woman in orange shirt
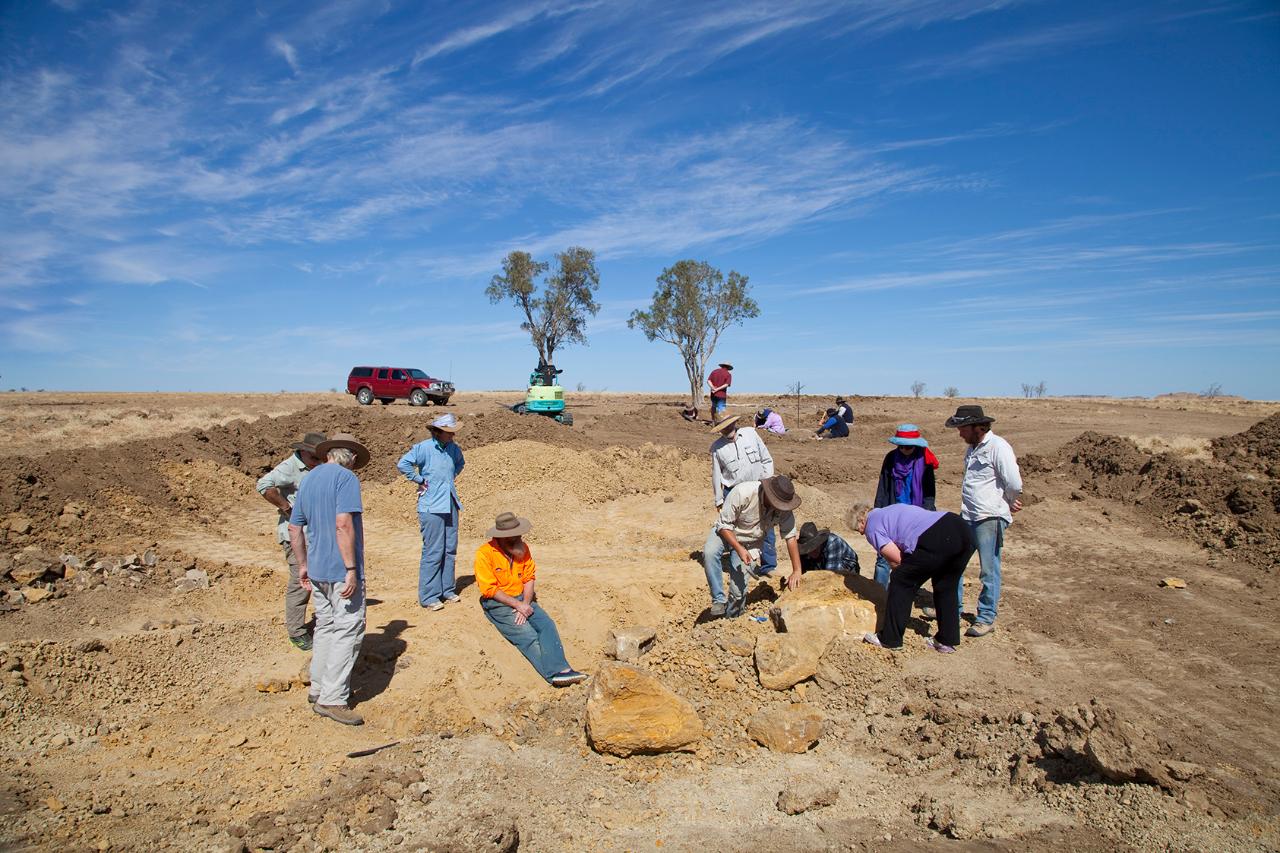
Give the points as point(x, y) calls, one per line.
point(505, 574)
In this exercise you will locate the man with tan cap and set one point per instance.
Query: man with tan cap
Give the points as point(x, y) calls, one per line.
point(750, 509)
point(327, 532)
point(737, 456)
point(278, 486)
point(432, 466)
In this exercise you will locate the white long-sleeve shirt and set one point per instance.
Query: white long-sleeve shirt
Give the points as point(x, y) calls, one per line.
point(739, 461)
point(992, 480)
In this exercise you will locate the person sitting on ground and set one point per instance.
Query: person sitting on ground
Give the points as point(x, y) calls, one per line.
point(833, 426)
point(920, 545)
point(768, 419)
point(689, 413)
point(843, 410)
point(906, 477)
point(749, 510)
point(506, 576)
point(822, 550)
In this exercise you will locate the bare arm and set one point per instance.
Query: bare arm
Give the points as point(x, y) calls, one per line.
point(892, 553)
point(732, 541)
point(793, 554)
point(277, 500)
point(347, 548)
point(298, 541)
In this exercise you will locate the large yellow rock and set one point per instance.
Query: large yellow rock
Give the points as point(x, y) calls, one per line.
point(789, 728)
point(786, 659)
point(630, 711)
point(827, 605)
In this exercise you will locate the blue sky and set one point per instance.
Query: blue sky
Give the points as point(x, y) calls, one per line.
point(977, 193)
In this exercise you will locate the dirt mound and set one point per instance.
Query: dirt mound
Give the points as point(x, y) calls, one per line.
point(1220, 507)
point(1256, 449)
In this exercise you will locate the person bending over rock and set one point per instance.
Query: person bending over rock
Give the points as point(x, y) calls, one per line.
point(750, 509)
point(506, 575)
point(920, 545)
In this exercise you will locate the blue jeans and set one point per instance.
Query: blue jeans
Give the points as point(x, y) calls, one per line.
point(883, 570)
point(768, 548)
point(713, 554)
point(717, 406)
point(537, 639)
point(439, 554)
point(989, 534)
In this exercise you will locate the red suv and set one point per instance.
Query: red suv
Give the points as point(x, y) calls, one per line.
point(397, 383)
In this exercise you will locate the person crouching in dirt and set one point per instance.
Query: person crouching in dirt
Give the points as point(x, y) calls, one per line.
point(279, 486)
point(749, 510)
point(822, 550)
point(833, 426)
point(920, 545)
point(506, 576)
point(690, 414)
point(331, 565)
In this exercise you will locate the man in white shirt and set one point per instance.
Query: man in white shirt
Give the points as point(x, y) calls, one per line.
point(739, 455)
point(990, 493)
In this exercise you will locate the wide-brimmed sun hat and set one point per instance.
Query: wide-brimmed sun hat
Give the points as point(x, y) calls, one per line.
point(725, 423)
point(781, 492)
point(445, 423)
point(908, 434)
point(726, 365)
point(811, 538)
point(347, 442)
point(309, 442)
point(967, 416)
point(508, 525)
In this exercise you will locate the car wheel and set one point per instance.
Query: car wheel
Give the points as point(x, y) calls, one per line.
point(418, 397)
point(364, 397)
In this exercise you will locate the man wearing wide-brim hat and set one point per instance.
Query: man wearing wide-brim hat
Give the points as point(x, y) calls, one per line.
point(990, 493)
point(433, 466)
point(279, 486)
point(822, 550)
point(719, 381)
point(326, 529)
point(739, 455)
point(750, 509)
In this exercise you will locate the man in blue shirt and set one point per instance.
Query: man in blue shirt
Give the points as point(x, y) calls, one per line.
point(833, 426)
point(433, 465)
point(326, 530)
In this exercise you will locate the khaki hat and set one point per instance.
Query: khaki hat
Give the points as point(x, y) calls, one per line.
point(347, 442)
point(726, 422)
point(508, 525)
point(781, 492)
point(309, 442)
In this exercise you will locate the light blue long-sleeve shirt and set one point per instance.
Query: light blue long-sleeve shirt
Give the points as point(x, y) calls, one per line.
point(436, 465)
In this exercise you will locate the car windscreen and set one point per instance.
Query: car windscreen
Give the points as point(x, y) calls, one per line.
point(418, 374)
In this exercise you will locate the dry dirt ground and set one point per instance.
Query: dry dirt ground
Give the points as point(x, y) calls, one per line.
point(131, 715)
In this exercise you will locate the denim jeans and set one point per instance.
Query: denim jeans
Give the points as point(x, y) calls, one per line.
point(439, 555)
point(989, 533)
point(339, 633)
point(883, 570)
point(713, 554)
point(537, 639)
point(718, 405)
point(768, 548)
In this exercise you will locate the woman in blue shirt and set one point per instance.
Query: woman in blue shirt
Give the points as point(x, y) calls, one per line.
point(433, 465)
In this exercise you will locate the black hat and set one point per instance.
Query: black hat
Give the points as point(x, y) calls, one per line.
point(967, 416)
point(811, 538)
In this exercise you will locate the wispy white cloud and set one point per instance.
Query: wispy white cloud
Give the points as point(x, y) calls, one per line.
point(1006, 50)
point(287, 51)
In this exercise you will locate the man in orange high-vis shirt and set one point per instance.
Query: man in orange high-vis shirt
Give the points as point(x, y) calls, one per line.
point(506, 575)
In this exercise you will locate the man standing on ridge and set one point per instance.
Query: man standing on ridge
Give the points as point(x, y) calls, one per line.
point(719, 381)
point(279, 486)
point(327, 532)
point(990, 493)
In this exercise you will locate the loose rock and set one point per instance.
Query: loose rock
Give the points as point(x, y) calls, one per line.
point(628, 644)
point(786, 659)
point(791, 728)
point(802, 795)
point(630, 711)
point(827, 605)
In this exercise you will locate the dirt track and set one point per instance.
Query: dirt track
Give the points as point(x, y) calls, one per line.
point(129, 713)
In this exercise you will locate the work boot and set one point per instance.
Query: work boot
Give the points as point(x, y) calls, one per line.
point(339, 713)
point(717, 609)
point(302, 644)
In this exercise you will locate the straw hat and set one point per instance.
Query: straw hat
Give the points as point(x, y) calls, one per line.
point(725, 423)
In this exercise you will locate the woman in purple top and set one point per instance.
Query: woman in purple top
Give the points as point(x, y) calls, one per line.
point(920, 545)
